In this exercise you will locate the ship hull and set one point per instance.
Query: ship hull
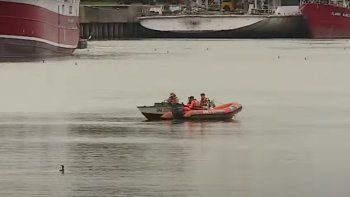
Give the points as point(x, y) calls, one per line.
point(38, 28)
point(326, 21)
point(11, 48)
point(265, 27)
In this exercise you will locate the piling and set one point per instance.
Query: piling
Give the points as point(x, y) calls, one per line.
point(115, 30)
point(82, 44)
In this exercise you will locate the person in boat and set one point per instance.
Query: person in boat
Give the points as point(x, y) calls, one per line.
point(195, 104)
point(187, 107)
point(205, 102)
point(172, 99)
point(189, 101)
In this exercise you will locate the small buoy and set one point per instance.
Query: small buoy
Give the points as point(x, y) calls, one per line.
point(305, 58)
point(207, 49)
point(76, 63)
point(62, 169)
point(278, 57)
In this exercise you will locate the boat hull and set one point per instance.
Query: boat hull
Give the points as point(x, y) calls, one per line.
point(154, 112)
point(152, 116)
point(21, 49)
point(38, 28)
point(209, 117)
point(222, 112)
point(263, 27)
point(326, 21)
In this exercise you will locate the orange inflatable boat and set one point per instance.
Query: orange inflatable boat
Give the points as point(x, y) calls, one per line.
point(222, 112)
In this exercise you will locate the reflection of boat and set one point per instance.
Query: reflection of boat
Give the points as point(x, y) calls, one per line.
point(156, 111)
point(327, 20)
point(222, 112)
point(38, 28)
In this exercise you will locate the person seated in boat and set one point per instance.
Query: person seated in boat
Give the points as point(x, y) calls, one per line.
point(189, 101)
point(195, 104)
point(205, 102)
point(187, 106)
point(172, 99)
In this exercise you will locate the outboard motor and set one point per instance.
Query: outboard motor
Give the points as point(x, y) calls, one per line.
point(178, 111)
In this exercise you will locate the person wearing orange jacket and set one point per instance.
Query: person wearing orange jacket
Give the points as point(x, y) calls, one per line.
point(187, 106)
point(195, 105)
point(192, 104)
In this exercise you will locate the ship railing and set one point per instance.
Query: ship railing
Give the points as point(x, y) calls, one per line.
point(314, 1)
point(339, 3)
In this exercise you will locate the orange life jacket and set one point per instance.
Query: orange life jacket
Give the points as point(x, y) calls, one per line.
point(195, 105)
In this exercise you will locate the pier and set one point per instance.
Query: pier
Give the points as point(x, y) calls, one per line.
point(109, 22)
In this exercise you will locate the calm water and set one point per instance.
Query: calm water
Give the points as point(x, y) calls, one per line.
point(291, 139)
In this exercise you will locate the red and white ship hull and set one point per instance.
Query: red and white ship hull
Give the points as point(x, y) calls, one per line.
point(38, 28)
point(326, 20)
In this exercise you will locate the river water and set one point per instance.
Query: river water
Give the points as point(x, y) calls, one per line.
point(291, 138)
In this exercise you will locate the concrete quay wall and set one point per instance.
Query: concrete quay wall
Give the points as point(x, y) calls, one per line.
point(110, 22)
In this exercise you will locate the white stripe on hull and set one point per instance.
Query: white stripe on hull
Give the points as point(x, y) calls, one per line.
point(39, 40)
point(154, 110)
point(196, 23)
point(53, 5)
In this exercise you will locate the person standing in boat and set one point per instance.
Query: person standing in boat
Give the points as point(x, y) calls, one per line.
point(205, 102)
point(172, 99)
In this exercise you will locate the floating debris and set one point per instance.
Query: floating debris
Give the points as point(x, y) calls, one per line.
point(62, 169)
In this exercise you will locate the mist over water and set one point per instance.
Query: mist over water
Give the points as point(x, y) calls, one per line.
point(291, 138)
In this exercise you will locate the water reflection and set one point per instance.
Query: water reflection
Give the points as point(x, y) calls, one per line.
point(146, 159)
point(101, 156)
